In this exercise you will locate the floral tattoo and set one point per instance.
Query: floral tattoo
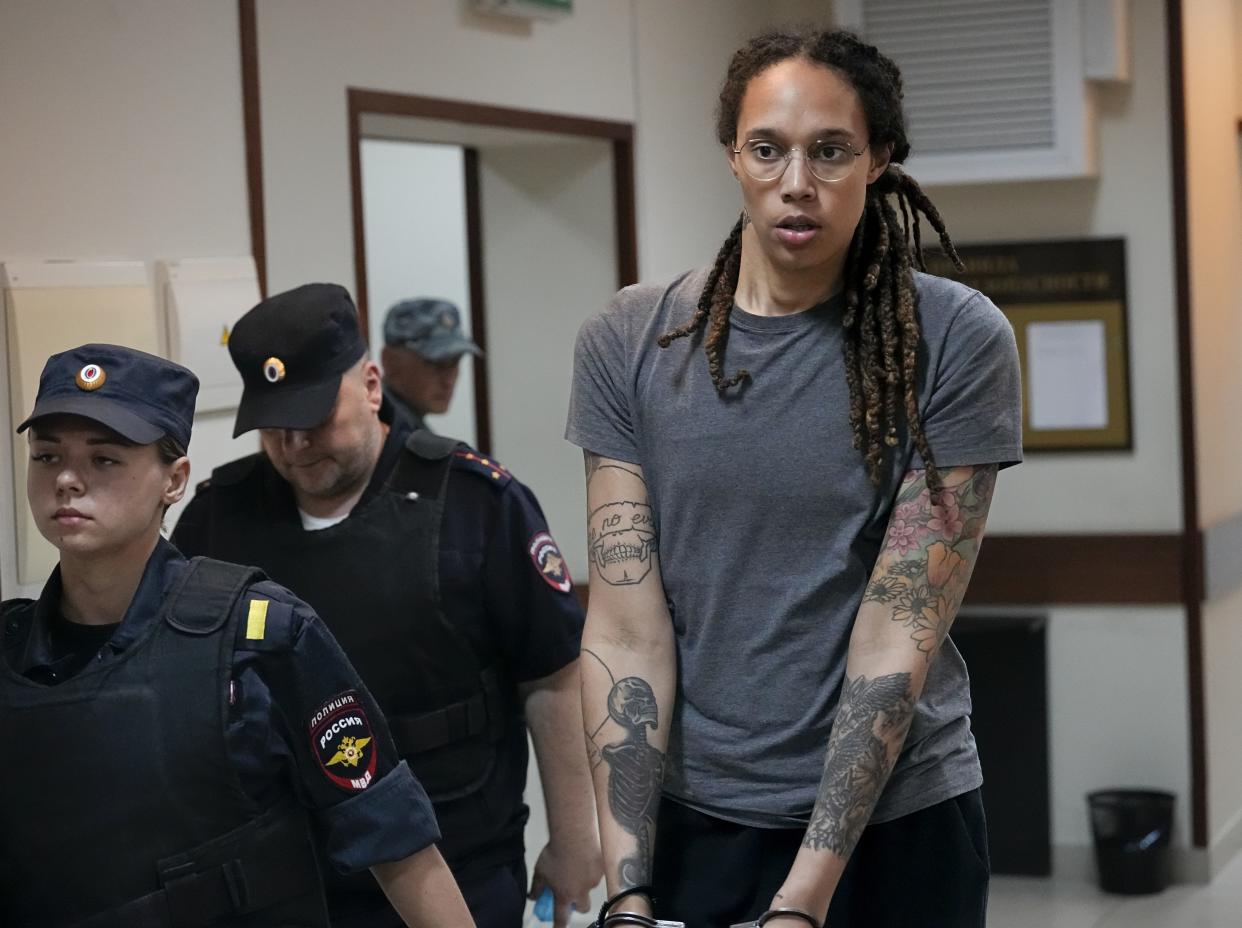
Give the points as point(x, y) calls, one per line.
point(929, 552)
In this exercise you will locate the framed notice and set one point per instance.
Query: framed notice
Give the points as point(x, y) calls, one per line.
point(1066, 301)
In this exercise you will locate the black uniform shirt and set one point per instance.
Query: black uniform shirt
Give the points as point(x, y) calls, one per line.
point(502, 581)
point(283, 687)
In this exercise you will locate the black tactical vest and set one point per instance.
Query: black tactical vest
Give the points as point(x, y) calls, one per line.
point(374, 579)
point(118, 805)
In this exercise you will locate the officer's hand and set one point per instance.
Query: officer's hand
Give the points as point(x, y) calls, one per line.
point(571, 875)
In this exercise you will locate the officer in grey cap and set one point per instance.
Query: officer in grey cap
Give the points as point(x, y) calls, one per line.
point(423, 348)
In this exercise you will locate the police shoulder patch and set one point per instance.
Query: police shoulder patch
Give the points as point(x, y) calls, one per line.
point(342, 742)
point(483, 466)
point(549, 561)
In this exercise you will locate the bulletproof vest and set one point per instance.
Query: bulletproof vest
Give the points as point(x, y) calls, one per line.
point(374, 579)
point(119, 807)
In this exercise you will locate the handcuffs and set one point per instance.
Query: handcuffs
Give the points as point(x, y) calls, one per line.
point(618, 919)
point(777, 913)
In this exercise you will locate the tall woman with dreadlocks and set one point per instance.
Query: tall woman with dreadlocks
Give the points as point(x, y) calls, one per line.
point(781, 533)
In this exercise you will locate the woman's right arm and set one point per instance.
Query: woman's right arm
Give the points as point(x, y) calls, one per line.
point(629, 671)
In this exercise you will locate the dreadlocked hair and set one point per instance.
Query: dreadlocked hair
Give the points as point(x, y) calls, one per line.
point(880, 320)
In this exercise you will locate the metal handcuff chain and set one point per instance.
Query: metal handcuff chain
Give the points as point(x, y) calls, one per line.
point(605, 920)
point(786, 911)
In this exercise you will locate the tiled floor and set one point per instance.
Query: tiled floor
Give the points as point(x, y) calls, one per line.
point(1017, 902)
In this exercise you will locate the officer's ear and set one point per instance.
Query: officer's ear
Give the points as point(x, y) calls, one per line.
point(373, 384)
point(176, 481)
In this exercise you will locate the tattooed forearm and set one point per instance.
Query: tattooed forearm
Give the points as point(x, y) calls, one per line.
point(873, 717)
point(635, 768)
point(929, 552)
point(621, 533)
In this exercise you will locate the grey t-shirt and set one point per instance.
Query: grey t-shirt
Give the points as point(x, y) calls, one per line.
point(769, 528)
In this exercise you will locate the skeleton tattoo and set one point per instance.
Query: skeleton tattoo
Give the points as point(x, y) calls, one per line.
point(635, 772)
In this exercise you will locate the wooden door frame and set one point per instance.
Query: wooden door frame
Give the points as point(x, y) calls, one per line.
point(363, 102)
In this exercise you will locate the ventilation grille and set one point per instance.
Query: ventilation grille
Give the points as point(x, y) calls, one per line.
point(977, 73)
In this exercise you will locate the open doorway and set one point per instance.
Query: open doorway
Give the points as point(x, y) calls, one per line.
point(415, 226)
point(524, 220)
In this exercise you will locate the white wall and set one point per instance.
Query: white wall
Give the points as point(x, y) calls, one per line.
point(310, 51)
point(687, 199)
point(121, 137)
point(1138, 491)
point(122, 129)
point(1117, 712)
point(549, 243)
point(1222, 657)
point(414, 225)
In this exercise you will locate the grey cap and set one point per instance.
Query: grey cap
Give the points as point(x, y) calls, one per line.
point(428, 327)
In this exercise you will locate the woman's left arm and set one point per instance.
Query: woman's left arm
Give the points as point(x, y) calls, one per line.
point(919, 581)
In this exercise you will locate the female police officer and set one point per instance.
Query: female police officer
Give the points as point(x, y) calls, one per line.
point(174, 728)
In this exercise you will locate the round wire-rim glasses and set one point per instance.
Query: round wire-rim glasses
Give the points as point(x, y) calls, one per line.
point(829, 161)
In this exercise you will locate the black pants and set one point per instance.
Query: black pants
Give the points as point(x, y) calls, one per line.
point(928, 869)
point(495, 895)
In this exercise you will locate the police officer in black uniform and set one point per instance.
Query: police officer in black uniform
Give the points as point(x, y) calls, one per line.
point(175, 730)
point(435, 570)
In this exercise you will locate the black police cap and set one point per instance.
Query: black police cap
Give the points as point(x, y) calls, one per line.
point(291, 351)
point(137, 395)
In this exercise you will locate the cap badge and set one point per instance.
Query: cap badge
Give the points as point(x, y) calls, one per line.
point(91, 377)
point(446, 320)
point(274, 370)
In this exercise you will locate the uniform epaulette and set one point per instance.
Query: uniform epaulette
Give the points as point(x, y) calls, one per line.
point(480, 465)
point(234, 471)
point(266, 624)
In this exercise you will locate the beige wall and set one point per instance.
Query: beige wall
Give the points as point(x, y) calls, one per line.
point(1214, 193)
point(1214, 188)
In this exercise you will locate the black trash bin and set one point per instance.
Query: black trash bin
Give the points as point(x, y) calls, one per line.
point(1132, 830)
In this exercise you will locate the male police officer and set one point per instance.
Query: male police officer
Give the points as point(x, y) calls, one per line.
point(434, 568)
point(423, 348)
point(174, 728)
